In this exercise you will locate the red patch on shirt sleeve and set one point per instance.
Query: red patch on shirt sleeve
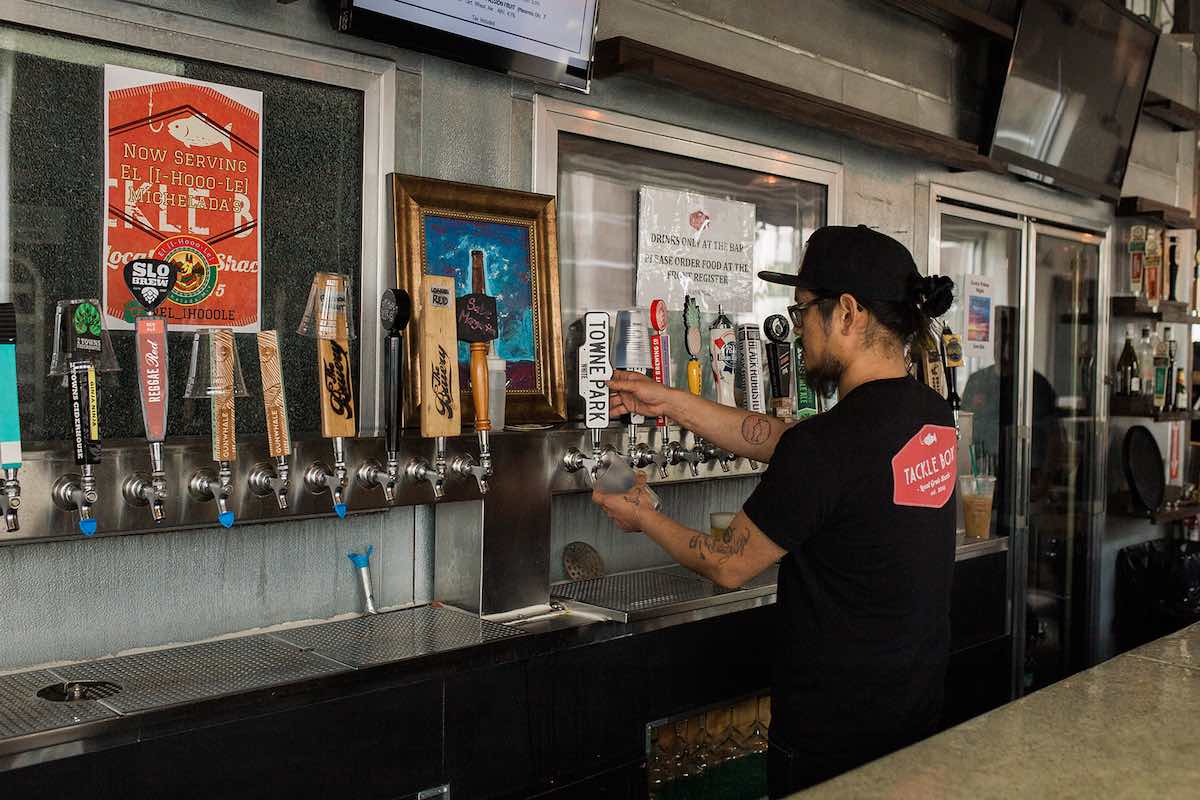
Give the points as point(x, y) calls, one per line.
point(925, 472)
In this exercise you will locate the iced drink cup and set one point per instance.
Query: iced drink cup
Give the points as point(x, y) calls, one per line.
point(977, 493)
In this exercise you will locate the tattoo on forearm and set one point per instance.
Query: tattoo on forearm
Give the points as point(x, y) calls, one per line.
point(756, 428)
point(734, 544)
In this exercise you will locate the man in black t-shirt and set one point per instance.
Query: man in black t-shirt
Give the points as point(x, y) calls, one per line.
point(857, 505)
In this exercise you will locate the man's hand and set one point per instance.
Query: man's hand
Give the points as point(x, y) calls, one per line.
point(626, 509)
point(632, 393)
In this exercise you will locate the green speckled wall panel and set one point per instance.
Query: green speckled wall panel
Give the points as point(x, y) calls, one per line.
point(311, 220)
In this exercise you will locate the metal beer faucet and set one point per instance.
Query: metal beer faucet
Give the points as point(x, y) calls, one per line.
point(81, 350)
point(140, 489)
point(440, 406)
point(395, 310)
point(216, 374)
point(10, 420)
point(477, 325)
point(595, 370)
point(273, 479)
point(327, 318)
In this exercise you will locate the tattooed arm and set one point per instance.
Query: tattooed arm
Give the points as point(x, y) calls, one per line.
point(744, 552)
point(743, 433)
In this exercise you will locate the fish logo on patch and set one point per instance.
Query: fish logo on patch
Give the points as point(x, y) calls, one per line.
point(930, 440)
point(196, 132)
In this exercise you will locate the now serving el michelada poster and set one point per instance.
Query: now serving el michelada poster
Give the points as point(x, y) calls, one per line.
point(183, 183)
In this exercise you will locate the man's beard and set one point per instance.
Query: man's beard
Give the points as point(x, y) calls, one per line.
point(824, 378)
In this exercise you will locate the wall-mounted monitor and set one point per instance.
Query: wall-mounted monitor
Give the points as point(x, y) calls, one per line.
point(544, 40)
point(1073, 94)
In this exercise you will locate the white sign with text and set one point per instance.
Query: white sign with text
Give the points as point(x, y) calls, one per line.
point(692, 244)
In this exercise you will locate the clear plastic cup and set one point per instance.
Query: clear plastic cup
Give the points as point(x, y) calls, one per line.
point(977, 493)
point(718, 524)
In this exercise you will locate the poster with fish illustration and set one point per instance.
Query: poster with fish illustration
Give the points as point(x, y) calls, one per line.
point(183, 184)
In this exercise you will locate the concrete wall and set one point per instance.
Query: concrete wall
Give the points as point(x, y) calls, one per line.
point(83, 599)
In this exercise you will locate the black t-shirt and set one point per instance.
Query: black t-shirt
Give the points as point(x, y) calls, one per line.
point(862, 498)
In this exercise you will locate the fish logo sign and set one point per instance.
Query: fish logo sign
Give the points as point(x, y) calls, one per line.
point(192, 131)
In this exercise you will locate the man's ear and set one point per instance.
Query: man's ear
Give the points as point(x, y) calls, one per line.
point(850, 314)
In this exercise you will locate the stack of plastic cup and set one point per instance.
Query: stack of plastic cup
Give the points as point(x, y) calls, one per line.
point(631, 349)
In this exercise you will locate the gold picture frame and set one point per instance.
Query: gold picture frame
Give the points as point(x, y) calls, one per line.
point(433, 219)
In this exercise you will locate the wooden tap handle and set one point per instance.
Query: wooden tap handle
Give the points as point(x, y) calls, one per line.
point(224, 422)
point(337, 388)
point(479, 385)
point(279, 435)
point(440, 408)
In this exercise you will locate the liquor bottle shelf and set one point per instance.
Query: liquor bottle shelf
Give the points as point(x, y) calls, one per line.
point(1121, 504)
point(1155, 212)
point(1165, 311)
point(1121, 406)
point(1174, 114)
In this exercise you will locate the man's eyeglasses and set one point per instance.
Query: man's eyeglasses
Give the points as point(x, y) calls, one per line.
point(796, 312)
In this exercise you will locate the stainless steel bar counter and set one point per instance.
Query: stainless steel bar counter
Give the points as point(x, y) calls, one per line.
point(1125, 728)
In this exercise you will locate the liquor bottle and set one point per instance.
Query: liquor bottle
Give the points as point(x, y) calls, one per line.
point(1129, 377)
point(1145, 359)
point(1172, 267)
point(1181, 392)
point(1196, 284)
point(1153, 269)
point(1161, 365)
point(1172, 354)
point(1137, 259)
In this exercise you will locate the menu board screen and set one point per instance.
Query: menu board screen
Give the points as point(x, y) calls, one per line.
point(553, 36)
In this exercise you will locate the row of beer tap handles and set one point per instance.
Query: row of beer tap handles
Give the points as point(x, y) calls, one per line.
point(644, 346)
point(83, 350)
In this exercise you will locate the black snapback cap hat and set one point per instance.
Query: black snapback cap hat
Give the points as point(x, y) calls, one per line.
point(843, 259)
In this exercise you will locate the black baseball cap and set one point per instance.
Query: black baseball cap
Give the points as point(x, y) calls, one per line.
point(843, 259)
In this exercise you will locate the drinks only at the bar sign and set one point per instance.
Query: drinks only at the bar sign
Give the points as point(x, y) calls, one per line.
point(691, 244)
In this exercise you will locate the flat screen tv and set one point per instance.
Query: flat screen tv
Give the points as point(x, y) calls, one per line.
point(1073, 94)
point(545, 40)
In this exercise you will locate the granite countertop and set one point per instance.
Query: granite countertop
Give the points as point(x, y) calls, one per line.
point(1125, 728)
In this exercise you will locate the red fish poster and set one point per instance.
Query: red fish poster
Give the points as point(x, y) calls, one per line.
point(183, 179)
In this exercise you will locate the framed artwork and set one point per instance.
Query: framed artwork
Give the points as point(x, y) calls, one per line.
point(439, 224)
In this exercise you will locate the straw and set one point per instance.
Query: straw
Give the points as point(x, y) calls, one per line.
point(971, 452)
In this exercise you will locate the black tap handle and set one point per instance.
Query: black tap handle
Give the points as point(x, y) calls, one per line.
point(393, 390)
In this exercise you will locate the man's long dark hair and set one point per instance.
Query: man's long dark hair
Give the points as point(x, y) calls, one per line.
point(929, 297)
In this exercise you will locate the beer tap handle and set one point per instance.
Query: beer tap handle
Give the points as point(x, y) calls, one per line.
point(224, 421)
point(150, 334)
point(85, 410)
point(10, 420)
point(279, 435)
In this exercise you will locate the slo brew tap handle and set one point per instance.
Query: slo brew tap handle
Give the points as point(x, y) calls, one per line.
point(150, 341)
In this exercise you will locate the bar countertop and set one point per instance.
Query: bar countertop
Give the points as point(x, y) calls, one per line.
point(1125, 728)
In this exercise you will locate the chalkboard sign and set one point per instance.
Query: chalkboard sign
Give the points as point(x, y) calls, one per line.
point(477, 318)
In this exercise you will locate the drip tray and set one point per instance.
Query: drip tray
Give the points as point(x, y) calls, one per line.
point(23, 712)
point(160, 678)
point(645, 594)
point(396, 635)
